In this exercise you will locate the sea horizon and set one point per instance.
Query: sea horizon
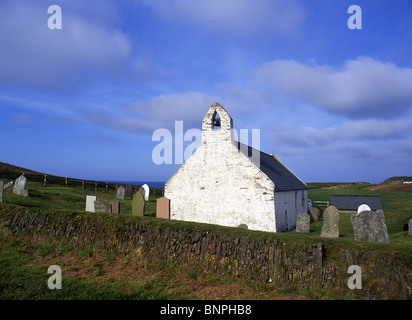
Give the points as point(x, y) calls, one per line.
point(151, 184)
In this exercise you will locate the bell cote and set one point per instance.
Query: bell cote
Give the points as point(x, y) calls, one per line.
point(217, 125)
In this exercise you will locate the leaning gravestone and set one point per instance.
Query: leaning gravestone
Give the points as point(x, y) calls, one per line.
point(314, 214)
point(163, 208)
point(369, 226)
point(129, 192)
point(90, 203)
point(120, 192)
point(115, 206)
point(1, 191)
point(303, 223)
point(101, 205)
point(138, 205)
point(330, 226)
point(8, 185)
point(20, 186)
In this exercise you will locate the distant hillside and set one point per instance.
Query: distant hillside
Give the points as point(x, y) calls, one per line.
point(396, 180)
point(11, 172)
point(9, 168)
point(393, 184)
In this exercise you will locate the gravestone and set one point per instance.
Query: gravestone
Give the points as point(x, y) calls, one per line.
point(90, 203)
point(20, 186)
point(314, 214)
point(101, 205)
point(147, 192)
point(363, 207)
point(129, 192)
point(1, 191)
point(410, 227)
point(144, 190)
point(8, 185)
point(120, 192)
point(369, 226)
point(138, 205)
point(115, 206)
point(303, 223)
point(330, 226)
point(163, 208)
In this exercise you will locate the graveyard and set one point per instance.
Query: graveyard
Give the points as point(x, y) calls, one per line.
point(105, 269)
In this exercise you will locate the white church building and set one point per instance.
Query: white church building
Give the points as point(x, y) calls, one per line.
point(222, 184)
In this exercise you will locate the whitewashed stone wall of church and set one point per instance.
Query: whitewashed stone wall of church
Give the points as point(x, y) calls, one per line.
point(288, 204)
point(220, 185)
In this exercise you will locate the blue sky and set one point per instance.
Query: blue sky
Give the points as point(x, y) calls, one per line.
point(334, 104)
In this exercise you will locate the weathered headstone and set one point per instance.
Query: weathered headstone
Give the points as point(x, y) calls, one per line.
point(101, 205)
point(369, 226)
point(138, 205)
point(20, 186)
point(410, 227)
point(120, 192)
point(129, 192)
point(330, 226)
point(90, 203)
point(303, 223)
point(144, 193)
point(314, 214)
point(147, 192)
point(363, 207)
point(115, 206)
point(163, 208)
point(1, 191)
point(8, 185)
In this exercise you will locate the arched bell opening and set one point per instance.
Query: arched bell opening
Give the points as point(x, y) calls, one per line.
point(216, 121)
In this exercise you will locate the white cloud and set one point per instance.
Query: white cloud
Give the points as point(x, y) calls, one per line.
point(350, 131)
point(361, 88)
point(146, 116)
point(163, 110)
point(246, 18)
point(33, 55)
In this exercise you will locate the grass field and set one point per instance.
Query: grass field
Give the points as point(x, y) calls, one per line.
point(91, 274)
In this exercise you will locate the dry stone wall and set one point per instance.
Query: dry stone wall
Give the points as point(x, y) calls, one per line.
point(286, 264)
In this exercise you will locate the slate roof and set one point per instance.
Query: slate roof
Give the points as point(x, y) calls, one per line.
point(281, 176)
point(353, 202)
